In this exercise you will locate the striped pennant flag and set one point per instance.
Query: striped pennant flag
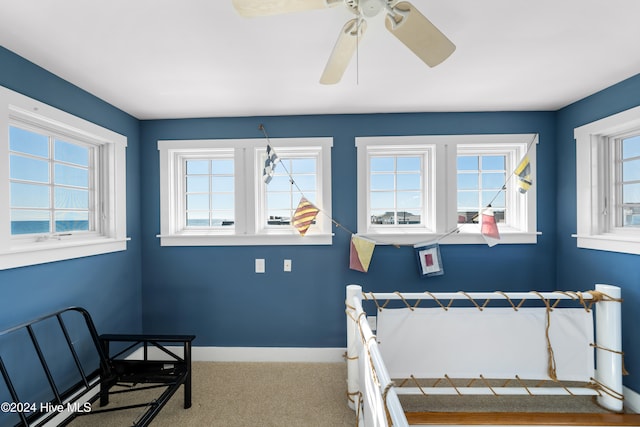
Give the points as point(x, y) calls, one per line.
point(304, 216)
point(269, 164)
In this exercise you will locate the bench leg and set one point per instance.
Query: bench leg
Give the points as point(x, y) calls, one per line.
point(187, 382)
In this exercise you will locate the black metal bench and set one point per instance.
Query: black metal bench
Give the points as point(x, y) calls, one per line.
point(51, 366)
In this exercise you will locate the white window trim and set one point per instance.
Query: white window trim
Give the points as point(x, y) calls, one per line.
point(249, 199)
point(443, 170)
point(592, 167)
point(20, 252)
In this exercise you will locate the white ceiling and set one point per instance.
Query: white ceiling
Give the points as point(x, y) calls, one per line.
point(199, 58)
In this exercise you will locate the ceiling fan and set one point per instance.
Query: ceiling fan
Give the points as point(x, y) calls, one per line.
point(402, 19)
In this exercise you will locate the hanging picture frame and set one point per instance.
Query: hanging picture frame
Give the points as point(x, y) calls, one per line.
point(429, 260)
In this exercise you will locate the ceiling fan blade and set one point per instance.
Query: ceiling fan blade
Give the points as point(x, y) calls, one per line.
point(419, 34)
point(252, 8)
point(343, 51)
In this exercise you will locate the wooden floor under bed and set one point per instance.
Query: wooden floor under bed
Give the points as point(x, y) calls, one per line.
point(522, 418)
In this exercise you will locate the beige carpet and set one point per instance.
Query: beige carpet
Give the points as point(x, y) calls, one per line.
point(246, 395)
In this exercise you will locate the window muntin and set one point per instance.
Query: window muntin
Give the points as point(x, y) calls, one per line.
point(209, 193)
point(253, 212)
point(628, 185)
point(460, 176)
point(50, 184)
point(66, 176)
point(607, 164)
point(481, 182)
point(294, 177)
point(395, 190)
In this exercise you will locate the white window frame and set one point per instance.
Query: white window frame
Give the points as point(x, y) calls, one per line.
point(440, 188)
point(594, 181)
point(111, 229)
point(249, 157)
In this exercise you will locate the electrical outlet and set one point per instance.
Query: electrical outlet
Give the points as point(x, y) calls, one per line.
point(287, 265)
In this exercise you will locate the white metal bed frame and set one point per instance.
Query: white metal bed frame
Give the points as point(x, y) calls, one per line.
point(376, 399)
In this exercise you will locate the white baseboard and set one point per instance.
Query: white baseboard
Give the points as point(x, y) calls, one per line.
point(631, 400)
point(255, 354)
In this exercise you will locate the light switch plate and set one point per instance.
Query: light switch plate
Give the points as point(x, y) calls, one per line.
point(259, 265)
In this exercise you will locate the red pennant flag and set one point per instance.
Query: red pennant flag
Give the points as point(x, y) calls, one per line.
point(489, 228)
point(304, 216)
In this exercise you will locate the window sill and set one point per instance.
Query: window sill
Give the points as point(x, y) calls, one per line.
point(461, 238)
point(244, 240)
point(609, 242)
point(43, 252)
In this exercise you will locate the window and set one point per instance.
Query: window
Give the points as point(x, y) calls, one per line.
point(608, 183)
point(213, 192)
point(65, 188)
point(414, 189)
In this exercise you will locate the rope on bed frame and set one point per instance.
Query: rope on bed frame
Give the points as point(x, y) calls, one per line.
point(586, 302)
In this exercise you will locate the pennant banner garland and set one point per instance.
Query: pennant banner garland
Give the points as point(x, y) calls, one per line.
point(361, 249)
point(304, 216)
point(360, 253)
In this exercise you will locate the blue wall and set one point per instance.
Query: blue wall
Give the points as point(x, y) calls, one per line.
point(579, 266)
point(214, 292)
point(109, 286)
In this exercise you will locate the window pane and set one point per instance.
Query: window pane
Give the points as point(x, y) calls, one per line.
point(631, 216)
point(382, 182)
point(71, 153)
point(381, 200)
point(69, 175)
point(279, 217)
point(409, 182)
point(497, 200)
point(279, 183)
point(492, 180)
point(382, 164)
point(631, 147)
point(29, 196)
point(197, 202)
point(408, 164)
point(72, 221)
point(69, 198)
point(222, 201)
point(405, 217)
point(222, 183)
point(493, 162)
point(306, 182)
point(631, 170)
point(468, 200)
point(382, 217)
point(467, 181)
point(631, 193)
point(197, 167)
point(29, 169)
point(29, 221)
point(409, 199)
point(278, 201)
point(222, 218)
point(221, 167)
point(197, 184)
point(197, 219)
point(468, 163)
point(303, 166)
point(24, 141)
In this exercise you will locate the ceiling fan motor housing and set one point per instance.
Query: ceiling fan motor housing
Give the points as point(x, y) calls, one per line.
point(370, 8)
